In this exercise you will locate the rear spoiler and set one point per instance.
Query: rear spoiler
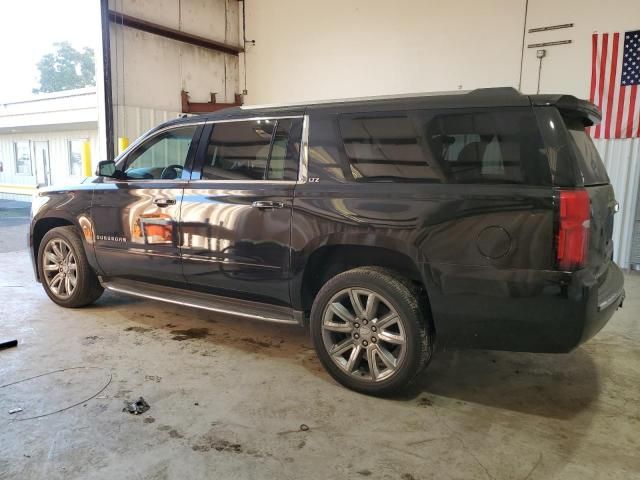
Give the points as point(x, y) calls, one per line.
point(570, 106)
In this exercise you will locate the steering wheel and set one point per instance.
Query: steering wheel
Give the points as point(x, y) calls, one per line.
point(171, 170)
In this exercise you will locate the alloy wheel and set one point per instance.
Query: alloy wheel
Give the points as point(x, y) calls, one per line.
point(60, 268)
point(363, 334)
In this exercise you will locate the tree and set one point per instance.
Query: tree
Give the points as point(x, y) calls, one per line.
point(66, 68)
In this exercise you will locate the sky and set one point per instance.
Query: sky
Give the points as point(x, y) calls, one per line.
point(28, 29)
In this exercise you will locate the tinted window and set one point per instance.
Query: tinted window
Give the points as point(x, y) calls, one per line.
point(285, 153)
point(386, 148)
point(443, 146)
point(326, 150)
point(589, 161)
point(253, 150)
point(161, 157)
point(482, 147)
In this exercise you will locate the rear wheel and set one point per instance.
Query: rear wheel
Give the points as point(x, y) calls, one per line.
point(370, 330)
point(66, 275)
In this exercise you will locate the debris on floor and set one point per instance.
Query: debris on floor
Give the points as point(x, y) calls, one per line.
point(137, 407)
point(8, 344)
point(15, 410)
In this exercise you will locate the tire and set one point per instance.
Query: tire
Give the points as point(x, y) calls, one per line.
point(87, 289)
point(398, 350)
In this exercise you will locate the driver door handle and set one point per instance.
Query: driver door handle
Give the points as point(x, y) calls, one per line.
point(164, 202)
point(267, 204)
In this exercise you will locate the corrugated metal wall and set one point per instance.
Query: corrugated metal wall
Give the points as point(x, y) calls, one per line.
point(135, 121)
point(622, 159)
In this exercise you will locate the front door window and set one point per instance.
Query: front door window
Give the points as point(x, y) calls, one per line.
point(162, 157)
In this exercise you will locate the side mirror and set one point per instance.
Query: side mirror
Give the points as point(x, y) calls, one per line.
point(107, 168)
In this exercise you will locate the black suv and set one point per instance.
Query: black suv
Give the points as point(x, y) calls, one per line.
point(480, 219)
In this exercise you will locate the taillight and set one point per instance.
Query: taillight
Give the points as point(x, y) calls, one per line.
point(572, 240)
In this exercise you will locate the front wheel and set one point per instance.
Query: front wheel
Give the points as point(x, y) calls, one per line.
point(66, 275)
point(370, 330)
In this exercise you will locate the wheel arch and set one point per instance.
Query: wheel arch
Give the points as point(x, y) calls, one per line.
point(335, 255)
point(40, 229)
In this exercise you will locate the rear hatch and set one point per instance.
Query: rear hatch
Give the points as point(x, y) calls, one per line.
point(592, 175)
point(584, 199)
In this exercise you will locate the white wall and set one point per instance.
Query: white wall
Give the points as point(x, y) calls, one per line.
point(58, 154)
point(567, 68)
point(149, 71)
point(334, 48)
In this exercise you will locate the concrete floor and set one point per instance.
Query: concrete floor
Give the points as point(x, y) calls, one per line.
point(228, 398)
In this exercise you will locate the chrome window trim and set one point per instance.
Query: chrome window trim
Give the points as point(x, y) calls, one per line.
point(141, 139)
point(303, 165)
point(145, 136)
point(246, 180)
point(253, 119)
point(147, 181)
point(302, 162)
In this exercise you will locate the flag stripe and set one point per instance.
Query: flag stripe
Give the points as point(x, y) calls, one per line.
point(621, 95)
point(636, 115)
point(603, 63)
point(594, 75)
point(612, 82)
point(632, 109)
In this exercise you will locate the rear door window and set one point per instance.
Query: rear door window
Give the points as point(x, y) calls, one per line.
point(253, 150)
point(455, 146)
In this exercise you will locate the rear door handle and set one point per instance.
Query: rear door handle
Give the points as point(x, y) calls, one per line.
point(164, 202)
point(267, 204)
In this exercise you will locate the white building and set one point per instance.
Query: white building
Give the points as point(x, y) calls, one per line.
point(41, 140)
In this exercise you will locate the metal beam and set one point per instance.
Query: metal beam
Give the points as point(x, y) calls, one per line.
point(139, 24)
point(108, 84)
point(206, 107)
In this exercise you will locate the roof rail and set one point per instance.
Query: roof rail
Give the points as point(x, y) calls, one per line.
point(398, 96)
point(495, 91)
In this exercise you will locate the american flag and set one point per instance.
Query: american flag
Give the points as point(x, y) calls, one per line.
point(615, 76)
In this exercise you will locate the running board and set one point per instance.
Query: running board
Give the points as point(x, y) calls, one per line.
point(214, 303)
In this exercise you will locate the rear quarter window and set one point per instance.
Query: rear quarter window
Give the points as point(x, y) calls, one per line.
point(445, 146)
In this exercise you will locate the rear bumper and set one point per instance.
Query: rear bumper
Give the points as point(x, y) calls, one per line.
point(603, 300)
point(521, 310)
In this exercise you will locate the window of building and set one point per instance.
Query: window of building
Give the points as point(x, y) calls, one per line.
point(253, 150)
point(24, 164)
point(75, 156)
